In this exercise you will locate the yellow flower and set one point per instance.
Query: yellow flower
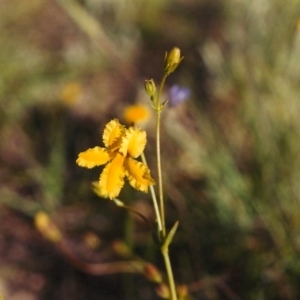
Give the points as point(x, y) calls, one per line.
point(122, 146)
point(136, 114)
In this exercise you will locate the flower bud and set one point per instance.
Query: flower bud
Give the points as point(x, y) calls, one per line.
point(182, 291)
point(172, 60)
point(46, 226)
point(163, 291)
point(121, 249)
point(152, 273)
point(150, 87)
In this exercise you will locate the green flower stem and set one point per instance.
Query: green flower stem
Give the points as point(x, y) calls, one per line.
point(158, 108)
point(154, 199)
point(165, 253)
point(157, 101)
point(159, 174)
point(165, 249)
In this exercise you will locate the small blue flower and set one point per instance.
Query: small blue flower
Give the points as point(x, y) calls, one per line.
point(178, 94)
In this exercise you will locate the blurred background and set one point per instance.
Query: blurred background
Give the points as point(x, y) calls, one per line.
point(230, 146)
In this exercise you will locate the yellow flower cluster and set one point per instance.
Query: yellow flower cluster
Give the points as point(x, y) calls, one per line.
point(122, 146)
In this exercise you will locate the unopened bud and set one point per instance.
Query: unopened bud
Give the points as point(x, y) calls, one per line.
point(48, 229)
point(172, 60)
point(163, 291)
point(152, 273)
point(150, 87)
point(91, 240)
point(182, 292)
point(121, 249)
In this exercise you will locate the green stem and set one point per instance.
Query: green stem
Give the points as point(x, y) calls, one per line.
point(159, 172)
point(159, 175)
point(154, 199)
point(157, 100)
point(165, 249)
point(165, 253)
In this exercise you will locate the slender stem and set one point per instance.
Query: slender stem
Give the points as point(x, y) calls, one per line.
point(165, 249)
point(158, 100)
point(159, 172)
point(168, 265)
point(154, 200)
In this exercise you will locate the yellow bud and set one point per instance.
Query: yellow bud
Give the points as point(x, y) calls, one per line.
point(48, 229)
point(172, 60)
point(150, 87)
point(163, 291)
point(121, 248)
point(91, 240)
point(152, 273)
point(182, 291)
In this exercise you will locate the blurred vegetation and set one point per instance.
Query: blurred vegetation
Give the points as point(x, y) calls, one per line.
point(231, 152)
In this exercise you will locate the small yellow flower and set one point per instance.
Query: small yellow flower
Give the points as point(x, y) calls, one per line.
point(136, 114)
point(122, 146)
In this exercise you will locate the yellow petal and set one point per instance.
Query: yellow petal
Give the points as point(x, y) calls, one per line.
point(133, 142)
point(112, 134)
point(138, 174)
point(112, 177)
point(93, 157)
